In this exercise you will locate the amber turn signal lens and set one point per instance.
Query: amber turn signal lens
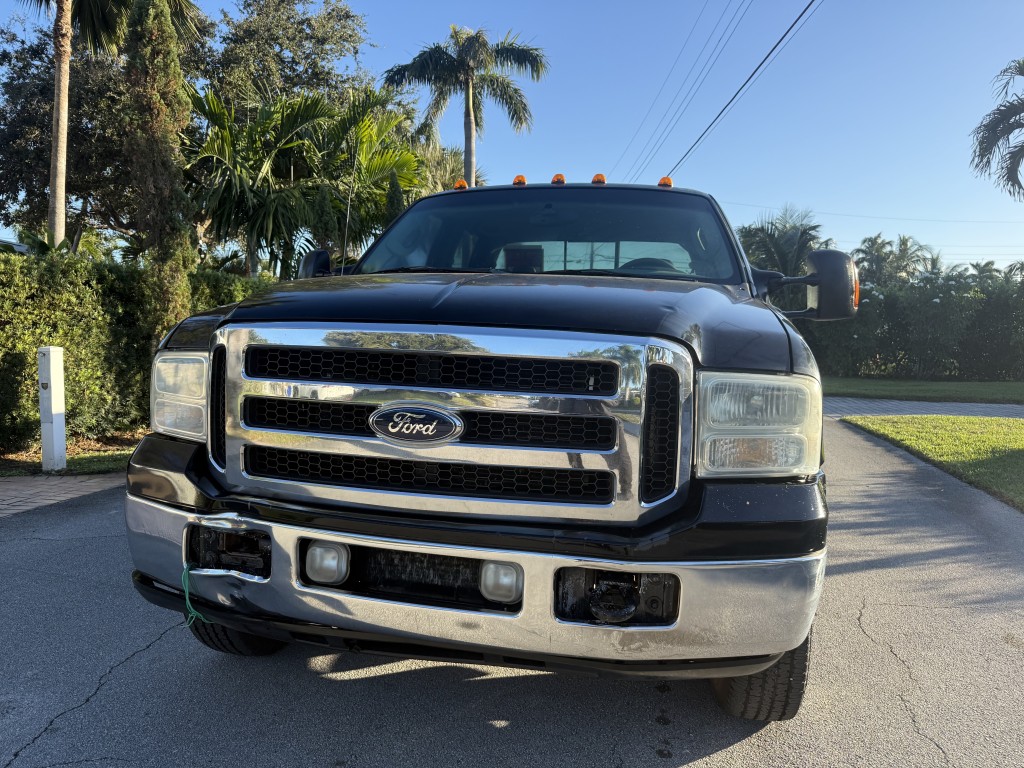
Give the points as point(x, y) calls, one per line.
point(519, 181)
point(558, 179)
point(856, 291)
point(461, 184)
point(598, 179)
point(666, 181)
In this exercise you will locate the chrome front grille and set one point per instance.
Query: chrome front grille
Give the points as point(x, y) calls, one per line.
point(557, 426)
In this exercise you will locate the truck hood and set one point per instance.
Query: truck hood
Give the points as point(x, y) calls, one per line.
point(722, 325)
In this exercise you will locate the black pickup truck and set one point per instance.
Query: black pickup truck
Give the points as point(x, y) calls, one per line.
point(551, 426)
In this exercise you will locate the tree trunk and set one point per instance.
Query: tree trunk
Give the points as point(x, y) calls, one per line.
point(469, 123)
point(56, 213)
point(81, 226)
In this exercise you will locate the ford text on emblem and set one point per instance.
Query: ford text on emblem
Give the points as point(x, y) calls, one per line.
point(415, 424)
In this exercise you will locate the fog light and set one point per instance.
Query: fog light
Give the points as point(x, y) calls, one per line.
point(327, 563)
point(501, 582)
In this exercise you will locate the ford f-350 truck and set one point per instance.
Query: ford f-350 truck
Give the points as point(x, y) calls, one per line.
point(557, 426)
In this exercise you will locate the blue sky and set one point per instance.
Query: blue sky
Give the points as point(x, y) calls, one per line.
point(864, 118)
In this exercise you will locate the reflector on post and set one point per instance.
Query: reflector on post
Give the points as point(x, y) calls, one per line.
point(519, 181)
point(598, 179)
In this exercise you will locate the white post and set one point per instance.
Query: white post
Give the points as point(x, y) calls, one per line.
point(51, 408)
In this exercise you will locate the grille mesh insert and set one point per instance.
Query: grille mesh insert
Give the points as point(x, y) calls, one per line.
point(580, 486)
point(423, 369)
point(218, 408)
point(594, 433)
point(660, 463)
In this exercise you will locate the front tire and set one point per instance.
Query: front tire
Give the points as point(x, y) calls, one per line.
point(772, 694)
point(227, 640)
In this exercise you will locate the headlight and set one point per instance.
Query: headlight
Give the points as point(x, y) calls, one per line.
point(178, 394)
point(756, 425)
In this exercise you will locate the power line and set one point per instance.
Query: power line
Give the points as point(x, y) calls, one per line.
point(722, 43)
point(759, 74)
point(661, 89)
point(656, 131)
point(736, 95)
point(885, 218)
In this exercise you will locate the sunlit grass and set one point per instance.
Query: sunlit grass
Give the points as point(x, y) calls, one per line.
point(985, 452)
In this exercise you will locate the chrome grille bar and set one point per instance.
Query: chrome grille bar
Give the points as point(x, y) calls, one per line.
point(621, 411)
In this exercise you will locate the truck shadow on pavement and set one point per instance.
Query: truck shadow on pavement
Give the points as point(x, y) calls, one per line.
point(357, 710)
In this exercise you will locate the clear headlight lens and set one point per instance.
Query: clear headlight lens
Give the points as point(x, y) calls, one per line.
point(178, 394)
point(757, 425)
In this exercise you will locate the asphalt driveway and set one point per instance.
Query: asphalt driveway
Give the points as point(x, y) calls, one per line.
point(918, 660)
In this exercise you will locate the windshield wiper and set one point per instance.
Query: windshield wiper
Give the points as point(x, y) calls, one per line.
point(620, 273)
point(419, 269)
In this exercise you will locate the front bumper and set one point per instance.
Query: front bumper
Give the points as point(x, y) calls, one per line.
point(743, 613)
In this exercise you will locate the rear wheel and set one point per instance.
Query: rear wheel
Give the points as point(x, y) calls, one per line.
point(772, 694)
point(227, 640)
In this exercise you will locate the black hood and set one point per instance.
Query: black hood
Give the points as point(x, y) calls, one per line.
point(723, 326)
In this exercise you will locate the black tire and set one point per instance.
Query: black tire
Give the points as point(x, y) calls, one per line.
point(773, 694)
point(227, 640)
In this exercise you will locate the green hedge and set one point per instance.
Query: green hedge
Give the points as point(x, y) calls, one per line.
point(93, 310)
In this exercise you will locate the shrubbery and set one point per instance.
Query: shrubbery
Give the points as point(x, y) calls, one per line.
point(96, 311)
point(936, 326)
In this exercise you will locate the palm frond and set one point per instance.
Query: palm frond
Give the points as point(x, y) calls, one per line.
point(515, 57)
point(434, 64)
point(1007, 76)
point(509, 96)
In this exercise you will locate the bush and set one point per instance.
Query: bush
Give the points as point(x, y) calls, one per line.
point(95, 311)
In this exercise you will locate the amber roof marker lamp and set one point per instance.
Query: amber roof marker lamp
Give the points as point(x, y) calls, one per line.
point(665, 181)
point(519, 181)
point(461, 184)
point(598, 179)
point(558, 179)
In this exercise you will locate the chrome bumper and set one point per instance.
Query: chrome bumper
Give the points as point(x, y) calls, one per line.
point(727, 609)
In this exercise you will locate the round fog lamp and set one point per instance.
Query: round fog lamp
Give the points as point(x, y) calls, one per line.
point(327, 563)
point(501, 582)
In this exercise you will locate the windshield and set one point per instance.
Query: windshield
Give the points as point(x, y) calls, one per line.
point(629, 232)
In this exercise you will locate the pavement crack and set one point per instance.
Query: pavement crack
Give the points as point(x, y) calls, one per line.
point(914, 682)
point(99, 686)
point(907, 705)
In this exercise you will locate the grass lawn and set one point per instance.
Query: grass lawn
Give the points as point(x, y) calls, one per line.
point(85, 457)
point(987, 453)
point(934, 391)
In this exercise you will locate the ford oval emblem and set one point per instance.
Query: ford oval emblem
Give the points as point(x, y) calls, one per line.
point(413, 423)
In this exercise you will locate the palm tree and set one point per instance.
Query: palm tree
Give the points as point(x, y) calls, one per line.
point(1014, 270)
point(885, 262)
point(468, 63)
point(984, 271)
point(783, 242)
point(297, 172)
point(102, 25)
point(999, 138)
point(440, 167)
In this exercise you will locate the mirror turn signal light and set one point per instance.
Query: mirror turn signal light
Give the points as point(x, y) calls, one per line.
point(519, 181)
point(598, 179)
point(558, 178)
point(666, 181)
point(461, 184)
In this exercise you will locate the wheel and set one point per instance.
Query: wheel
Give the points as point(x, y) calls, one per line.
point(772, 694)
point(227, 640)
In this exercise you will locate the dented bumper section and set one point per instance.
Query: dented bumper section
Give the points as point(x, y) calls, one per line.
point(733, 617)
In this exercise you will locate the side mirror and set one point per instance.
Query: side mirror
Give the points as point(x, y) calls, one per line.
point(836, 294)
point(833, 288)
point(315, 264)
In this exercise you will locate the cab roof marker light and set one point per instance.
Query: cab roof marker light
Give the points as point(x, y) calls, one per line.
point(665, 181)
point(461, 184)
point(558, 178)
point(519, 181)
point(598, 179)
